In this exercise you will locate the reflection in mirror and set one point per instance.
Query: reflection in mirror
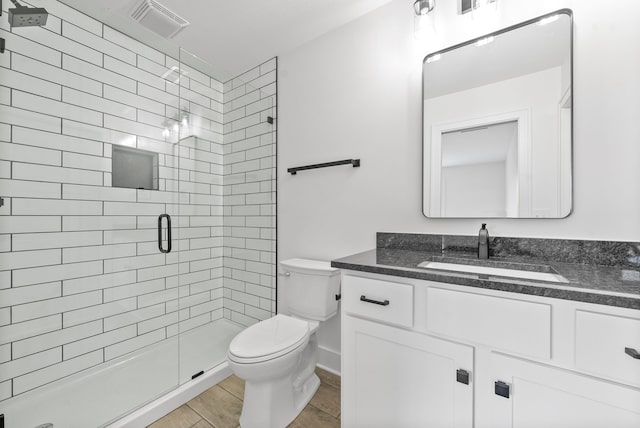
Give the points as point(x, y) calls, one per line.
point(497, 124)
point(477, 165)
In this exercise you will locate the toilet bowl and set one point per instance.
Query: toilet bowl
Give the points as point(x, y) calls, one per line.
point(277, 357)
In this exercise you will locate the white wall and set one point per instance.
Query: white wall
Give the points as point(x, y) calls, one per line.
point(512, 180)
point(479, 188)
point(356, 92)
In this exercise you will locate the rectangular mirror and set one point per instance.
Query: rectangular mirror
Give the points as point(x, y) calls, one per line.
point(497, 123)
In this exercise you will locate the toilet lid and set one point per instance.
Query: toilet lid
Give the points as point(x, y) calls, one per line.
point(270, 338)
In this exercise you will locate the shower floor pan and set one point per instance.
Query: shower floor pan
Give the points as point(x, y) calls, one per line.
point(100, 396)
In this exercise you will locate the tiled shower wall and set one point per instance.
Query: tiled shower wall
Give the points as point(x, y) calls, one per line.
point(250, 200)
point(81, 278)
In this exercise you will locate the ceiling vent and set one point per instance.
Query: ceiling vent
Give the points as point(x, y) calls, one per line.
point(157, 18)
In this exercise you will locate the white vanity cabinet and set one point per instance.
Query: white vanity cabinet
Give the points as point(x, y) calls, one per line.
point(409, 345)
point(546, 396)
point(399, 378)
point(393, 376)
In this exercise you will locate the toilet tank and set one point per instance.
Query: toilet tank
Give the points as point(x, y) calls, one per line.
point(310, 288)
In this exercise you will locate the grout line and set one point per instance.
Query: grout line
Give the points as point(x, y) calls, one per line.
point(199, 414)
point(226, 230)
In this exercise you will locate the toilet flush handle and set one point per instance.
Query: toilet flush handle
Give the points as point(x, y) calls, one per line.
point(284, 274)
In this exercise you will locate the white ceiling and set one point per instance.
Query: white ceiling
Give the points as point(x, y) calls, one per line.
point(233, 36)
point(514, 53)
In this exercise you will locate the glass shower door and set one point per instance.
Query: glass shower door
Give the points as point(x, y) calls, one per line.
point(204, 337)
point(227, 252)
point(89, 277)
point(103, 141)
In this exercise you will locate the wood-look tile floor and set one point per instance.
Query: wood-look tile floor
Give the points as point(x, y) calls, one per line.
point(220, 406)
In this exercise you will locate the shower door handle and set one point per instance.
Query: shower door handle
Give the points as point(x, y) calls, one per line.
point(168, 217)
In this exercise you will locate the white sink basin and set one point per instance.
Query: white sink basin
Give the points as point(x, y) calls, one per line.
point(486, 270)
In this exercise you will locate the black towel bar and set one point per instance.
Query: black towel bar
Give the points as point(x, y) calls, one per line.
point(354, 162)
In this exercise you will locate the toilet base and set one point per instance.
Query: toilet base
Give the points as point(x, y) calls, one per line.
point(275, 404)
point(308, 391)
point(277, 390)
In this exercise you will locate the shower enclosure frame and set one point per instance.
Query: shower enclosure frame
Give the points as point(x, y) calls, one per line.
point(144, 223)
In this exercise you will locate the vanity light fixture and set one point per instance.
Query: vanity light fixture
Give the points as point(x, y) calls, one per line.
point(485, 41)
point(423, 24)
point(481, 3)
point(481, 10)
point(471, 5)
point(548, 20)
point(423, 7)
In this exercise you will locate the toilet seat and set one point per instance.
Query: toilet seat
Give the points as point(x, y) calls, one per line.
point(269, 339)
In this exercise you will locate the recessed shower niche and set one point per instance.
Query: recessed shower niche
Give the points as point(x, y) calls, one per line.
point(134, 168)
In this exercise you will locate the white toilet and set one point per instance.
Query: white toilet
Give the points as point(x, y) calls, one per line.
point(277, 357)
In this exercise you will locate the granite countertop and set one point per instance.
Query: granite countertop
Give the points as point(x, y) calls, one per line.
point(605, 285)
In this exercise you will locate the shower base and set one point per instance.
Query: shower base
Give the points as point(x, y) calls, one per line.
point(144, 385)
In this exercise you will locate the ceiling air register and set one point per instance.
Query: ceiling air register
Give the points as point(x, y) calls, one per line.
point(157, 18)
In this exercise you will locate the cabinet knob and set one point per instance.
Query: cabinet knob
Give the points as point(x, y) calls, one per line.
point(363, 298)
point(632, 352)
point(502, 389)
point(462, 376)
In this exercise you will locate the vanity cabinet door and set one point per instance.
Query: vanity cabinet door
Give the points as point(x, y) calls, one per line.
point(544, 396)
point(398, 378)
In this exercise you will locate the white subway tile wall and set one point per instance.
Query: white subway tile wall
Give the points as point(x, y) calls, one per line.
point(81, 279)
point(249, 195)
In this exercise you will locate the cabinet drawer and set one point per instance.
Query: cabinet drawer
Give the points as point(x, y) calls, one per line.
point(600, 346)
point(385, 301)
point(504, 324)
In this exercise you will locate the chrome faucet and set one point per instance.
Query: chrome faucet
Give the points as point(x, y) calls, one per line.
point(483, 242)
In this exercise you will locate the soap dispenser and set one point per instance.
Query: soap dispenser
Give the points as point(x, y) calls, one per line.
point(483, 242)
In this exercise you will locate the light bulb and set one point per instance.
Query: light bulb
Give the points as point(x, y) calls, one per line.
point(422, 7)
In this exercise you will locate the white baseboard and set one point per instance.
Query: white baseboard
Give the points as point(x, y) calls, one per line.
point(329, 360)
point(174, 399)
